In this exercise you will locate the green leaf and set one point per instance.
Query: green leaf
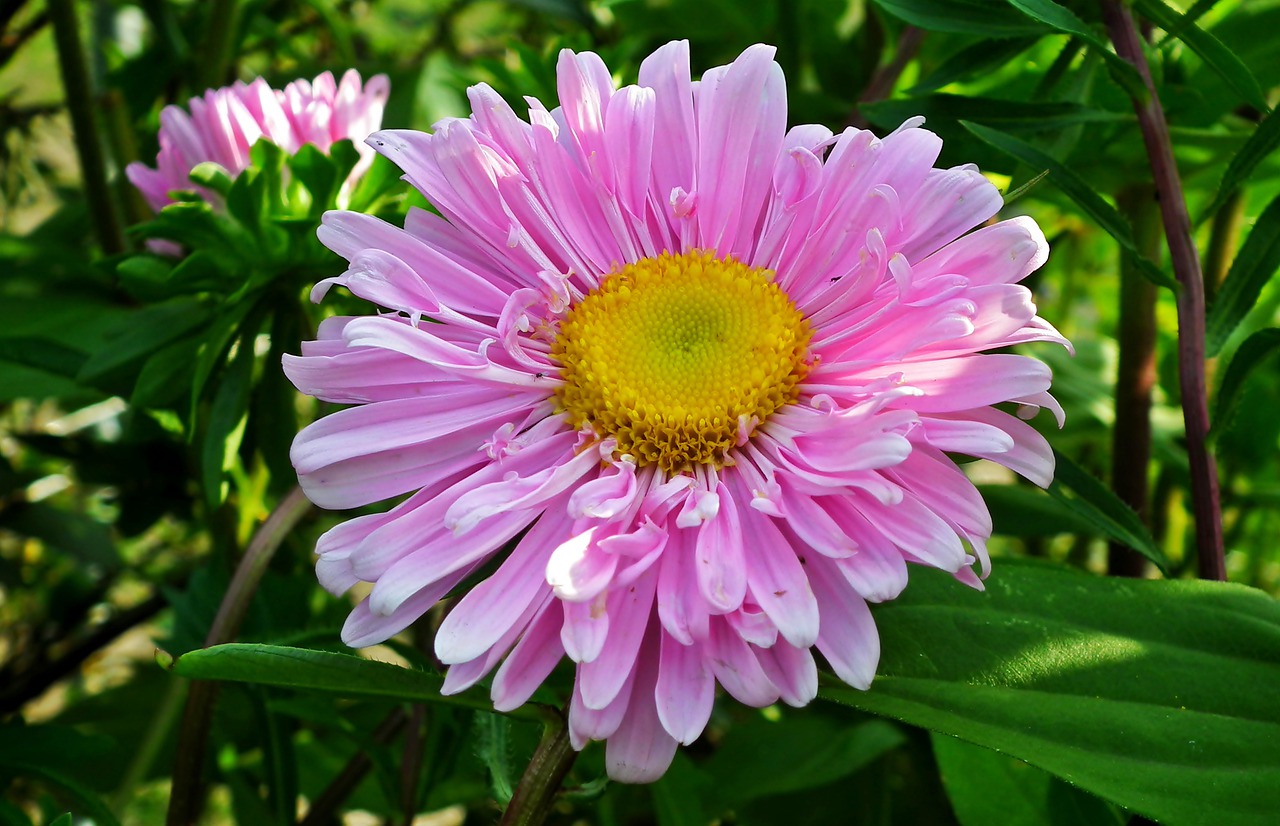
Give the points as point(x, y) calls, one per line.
point(1075, 188)
point(678, 794)
point(1254, 264)
point(1036, 116)
point(225, 425)
point(54, 754)
point(1256, 350)
point(214, 347)
point(1209, 48)
point(1091, 500)
point(212, 176)
point(1065, 20)
point(165, 377)
point(380, 179)
point(991, 19)
point(1264, 140)
point(980, 58)
point(304, 669)
point(804, 752)
point(318, 173)
point(1026, 510)
point(62, 820)
point(1150, 694)
point(140, 334)
point(493, 742)
point(989, 789)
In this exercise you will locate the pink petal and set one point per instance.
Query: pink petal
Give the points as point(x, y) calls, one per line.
point(685, 691)
point(720, 563)
point(489, 609)
point(530, 662)
point(777, 581)
point(601, 678)
point(848, 638)
point(641, 750)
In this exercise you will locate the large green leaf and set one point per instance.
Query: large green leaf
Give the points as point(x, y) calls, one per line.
point(1078, 190)
point(1255, 263)
point(1155, 695)
point(305, 669)
point(989, 789)
point(805, 752)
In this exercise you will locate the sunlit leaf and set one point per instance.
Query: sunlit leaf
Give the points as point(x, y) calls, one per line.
point(1255, 263)
point(1221, 59)
point(1145, 693)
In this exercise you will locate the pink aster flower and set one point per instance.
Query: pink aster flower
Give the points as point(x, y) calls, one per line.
point(224, 124)
point(691, 377)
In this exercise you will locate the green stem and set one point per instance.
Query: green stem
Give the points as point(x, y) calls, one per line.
point(220, 44)
point(536, 792)
point(187, 795)
point(1135, 374)
point(93, 167)
point(1191, 315)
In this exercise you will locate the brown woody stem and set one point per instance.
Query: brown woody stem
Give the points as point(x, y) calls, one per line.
point(1191, 315)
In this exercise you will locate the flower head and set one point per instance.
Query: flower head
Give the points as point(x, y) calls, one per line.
point(695, 377)
point(224, 124)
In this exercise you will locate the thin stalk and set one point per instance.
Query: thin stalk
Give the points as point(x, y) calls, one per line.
point(886, 77)
point(224, 18)
point(80, 103)
point(325, 808)
point(1135, 375)
point(149, 747)
point(187, 796)
point(1186, 268)
point(536, 792)
point(125, 149)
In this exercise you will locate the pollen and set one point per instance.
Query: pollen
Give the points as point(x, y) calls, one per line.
point(680, 357)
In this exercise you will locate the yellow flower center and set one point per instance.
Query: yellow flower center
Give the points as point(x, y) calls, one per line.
point(676, 356)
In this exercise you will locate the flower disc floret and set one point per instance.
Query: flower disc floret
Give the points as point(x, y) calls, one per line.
point(679, 357)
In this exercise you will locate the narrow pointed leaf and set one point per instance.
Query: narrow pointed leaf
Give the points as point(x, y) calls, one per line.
point(305, 669)
point(1264, 140)
point(1257, 261)
point(1256, 350)
point(1065, 20)
point(1091, 500)
point(1075, 188)
point(1209, 48)
point(963, 17)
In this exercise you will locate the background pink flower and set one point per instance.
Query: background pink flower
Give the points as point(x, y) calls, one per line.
point(700, 374)
point(224, 124)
